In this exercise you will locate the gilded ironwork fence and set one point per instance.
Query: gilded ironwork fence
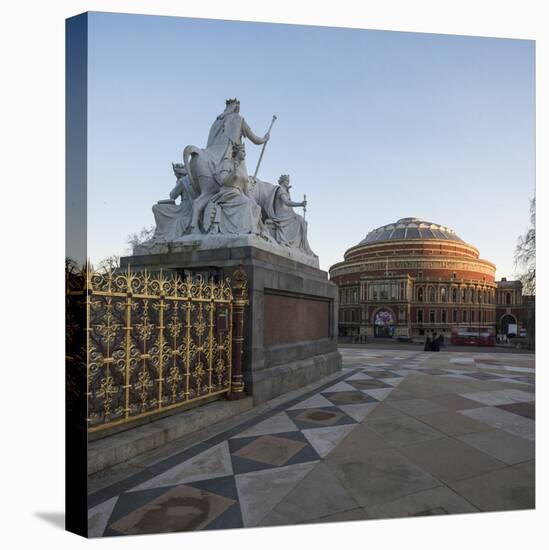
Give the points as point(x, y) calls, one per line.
point(154, 342)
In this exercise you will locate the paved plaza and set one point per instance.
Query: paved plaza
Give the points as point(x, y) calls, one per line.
point(395, 434)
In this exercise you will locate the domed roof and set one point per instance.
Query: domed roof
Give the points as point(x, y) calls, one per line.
point(410, 228)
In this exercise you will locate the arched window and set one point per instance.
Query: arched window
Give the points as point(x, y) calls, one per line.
point(420, 294)
point(443, 294)
point(454, 295)
point(463, 294)
point(432, 294)
point(507, 298)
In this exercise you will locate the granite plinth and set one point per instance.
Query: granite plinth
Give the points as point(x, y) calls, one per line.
point(290, 323)
point(213, 242)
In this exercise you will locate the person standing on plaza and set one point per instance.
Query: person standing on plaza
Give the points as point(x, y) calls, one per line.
point(435, 344)
point(427, 346)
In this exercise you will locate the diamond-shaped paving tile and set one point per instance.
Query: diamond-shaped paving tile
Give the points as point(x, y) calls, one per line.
point(380, 374)
point(324, 440)
point(316, 418)
point(313, 402)
point(369, 384)
point(359, 412)
point(434, 372)
point(98, 517)
point(213, 462)
point(393, 381)
point(276, 424)
point(348, 397)
point(271, 450)
point(260, 492)
point(378, 394)
point(321, 417)
point(340, 386)
point(182, 508)
point(359, 376)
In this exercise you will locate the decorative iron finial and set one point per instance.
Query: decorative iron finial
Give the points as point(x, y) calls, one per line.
point(240, 283)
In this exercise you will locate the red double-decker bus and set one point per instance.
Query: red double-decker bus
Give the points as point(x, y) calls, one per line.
point(471, 336)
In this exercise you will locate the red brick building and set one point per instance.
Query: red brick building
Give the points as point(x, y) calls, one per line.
point(412, 277)
point(514, 308)
point(509, 306)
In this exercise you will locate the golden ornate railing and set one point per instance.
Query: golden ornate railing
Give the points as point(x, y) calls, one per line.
point(153, 341)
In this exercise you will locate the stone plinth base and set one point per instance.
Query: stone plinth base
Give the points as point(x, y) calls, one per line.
point(219, 242)
point(290, 323)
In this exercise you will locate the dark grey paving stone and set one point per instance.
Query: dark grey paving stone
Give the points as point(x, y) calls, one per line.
point(455, 402)
point(385, 410)
point(357, 514)
point(528, 468)
point(439, 500)
point(360, 441)
point(496, 417)
point(503, 489)
point(367, 384)
point(528, 410)
point(417, 407)
point(449, 459)
point(399, 395)
point(376, 476)
point(501, 445)
point(453, 423)
point(318, 495)
point(402, 430)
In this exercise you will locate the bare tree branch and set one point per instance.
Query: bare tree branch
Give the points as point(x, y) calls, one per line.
point(525, 253)
point(110, 263)
point(135, 239)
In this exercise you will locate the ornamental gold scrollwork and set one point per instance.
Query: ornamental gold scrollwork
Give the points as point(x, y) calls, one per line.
point(153, 340)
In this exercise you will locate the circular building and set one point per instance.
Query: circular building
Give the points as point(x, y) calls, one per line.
point(411, 278)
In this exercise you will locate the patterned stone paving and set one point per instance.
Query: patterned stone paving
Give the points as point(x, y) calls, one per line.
point(398, 434)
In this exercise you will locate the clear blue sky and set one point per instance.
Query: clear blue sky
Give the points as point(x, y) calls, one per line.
point(372, 125)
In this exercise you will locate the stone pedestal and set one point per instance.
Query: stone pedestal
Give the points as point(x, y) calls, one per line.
point(290, 324)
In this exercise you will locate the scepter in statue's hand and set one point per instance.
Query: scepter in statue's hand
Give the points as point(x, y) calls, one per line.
point(304, 205)
point(267, 137)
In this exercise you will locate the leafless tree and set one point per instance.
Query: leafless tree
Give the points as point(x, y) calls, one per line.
point(137, 238)
point(110, 263)
point(525, 253)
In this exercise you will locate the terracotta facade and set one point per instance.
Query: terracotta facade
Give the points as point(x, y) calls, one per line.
point(413, 277)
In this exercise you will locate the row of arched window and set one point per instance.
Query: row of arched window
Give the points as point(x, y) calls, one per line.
point(508, 298)
point(348, 295)
point(455, 316)
point(455, 295)
point(349, 316)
